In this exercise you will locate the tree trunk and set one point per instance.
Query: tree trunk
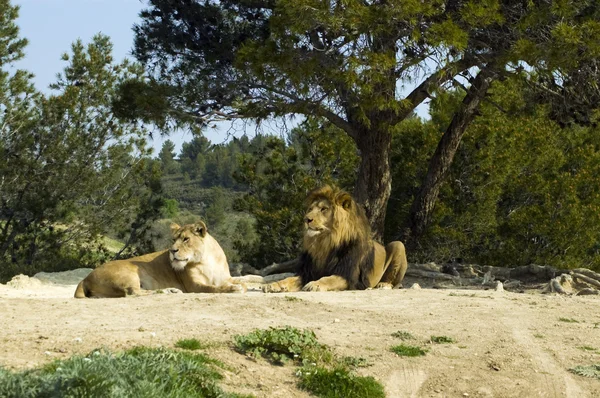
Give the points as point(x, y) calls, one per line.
point(441, 161)
point(374, 182)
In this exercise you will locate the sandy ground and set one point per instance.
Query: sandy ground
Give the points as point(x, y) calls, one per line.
point(507, 344)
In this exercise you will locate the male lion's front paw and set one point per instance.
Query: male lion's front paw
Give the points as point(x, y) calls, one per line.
point(384, 286)
point(313, 287)
point(274, 287)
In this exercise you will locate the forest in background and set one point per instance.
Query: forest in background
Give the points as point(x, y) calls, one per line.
point(502, 172)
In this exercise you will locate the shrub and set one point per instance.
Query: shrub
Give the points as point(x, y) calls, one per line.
point(139, 372)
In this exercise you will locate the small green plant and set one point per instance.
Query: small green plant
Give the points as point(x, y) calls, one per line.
point(539, 336)
point(282, 344)
point(400, 334)
point(568, 320)
point(190, 344)
point(408, 350)
point(292, 298)
point(442, 340)
point(587, 371)
point(139, 372)
point(586, 348)
point(338, 383)
point(355, 362)
point(321, 373)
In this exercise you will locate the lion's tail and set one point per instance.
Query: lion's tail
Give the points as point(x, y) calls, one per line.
point(80, 291)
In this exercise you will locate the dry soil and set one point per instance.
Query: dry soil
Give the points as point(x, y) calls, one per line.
point(507, 344)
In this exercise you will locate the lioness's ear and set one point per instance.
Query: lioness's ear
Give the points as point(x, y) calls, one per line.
point(200, 229)
point(344, 199)
point(174, 228)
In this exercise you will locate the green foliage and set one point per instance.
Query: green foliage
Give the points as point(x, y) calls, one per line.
point(348, 62)
point(170, 208)
point(355, 362)
point(279, 174)
point(70, 169)
point(521, 189)
point(338, 383)
point(408, 350)
point(190, 344)
point(568, 320)
point(282, 344)
point(403, 335)
point(167, 158)
point(139, 372)
point(322, 374)
point(587, 348)
point(442, 340)
point(587, 370)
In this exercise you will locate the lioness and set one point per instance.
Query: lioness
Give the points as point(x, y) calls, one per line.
point(339, 253)
point(195, 263)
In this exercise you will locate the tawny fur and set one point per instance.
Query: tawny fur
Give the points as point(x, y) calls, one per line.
point(195, 263)
point(339, 252)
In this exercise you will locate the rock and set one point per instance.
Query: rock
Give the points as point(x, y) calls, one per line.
point(71, 277)
point(487, 277)
point(415, 286)
point(499, 286)
point(24, 282)
point(512, 284)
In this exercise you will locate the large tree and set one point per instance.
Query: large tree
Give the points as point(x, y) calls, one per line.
point(68, 168)
point(363, 65)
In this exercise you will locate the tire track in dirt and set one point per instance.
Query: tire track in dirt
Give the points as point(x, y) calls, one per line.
point(557, 383)
point(405, 382)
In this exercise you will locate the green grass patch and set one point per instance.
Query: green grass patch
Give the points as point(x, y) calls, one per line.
point(568, 320)
point(292, 298)
point(355, 362)
point(539, 336)
point(321, 372)
point(408, 350)
point(338, 383)
point(191, 344)
point(586, 348)
point(442, 340)
point(139, 372)
point(402, 335)
point(587, 370)
point(279, 345)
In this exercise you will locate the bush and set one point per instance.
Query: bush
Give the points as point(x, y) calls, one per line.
point(339, 383)
point(139, 372)
point(282, 344)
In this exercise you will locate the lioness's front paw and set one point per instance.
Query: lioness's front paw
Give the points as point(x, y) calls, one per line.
point(272, 288)
point(170, 290)
point(238, 288)
point(313, 287)
point(384, 286)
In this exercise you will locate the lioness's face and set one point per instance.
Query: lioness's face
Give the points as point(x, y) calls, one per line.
point(318, 218)
point(188, 245)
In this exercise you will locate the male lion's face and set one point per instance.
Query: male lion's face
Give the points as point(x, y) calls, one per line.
point(318, 218)
point(188, 245)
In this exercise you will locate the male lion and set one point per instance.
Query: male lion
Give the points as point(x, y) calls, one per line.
point(195, 263)
point(339, 253)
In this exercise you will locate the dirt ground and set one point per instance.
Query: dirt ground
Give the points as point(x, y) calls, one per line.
point(507, 344)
